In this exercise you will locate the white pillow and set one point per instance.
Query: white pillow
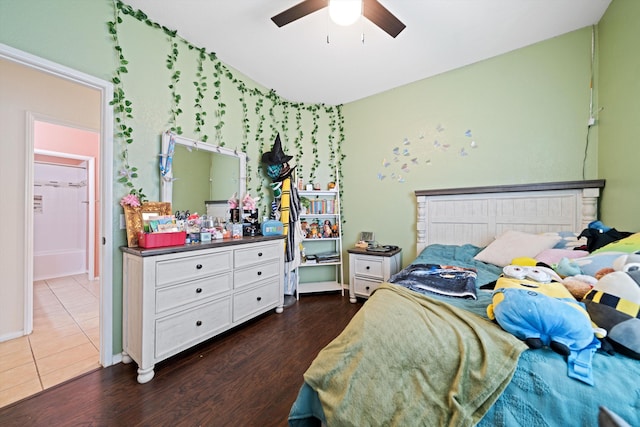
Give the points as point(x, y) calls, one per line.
point(515, 244)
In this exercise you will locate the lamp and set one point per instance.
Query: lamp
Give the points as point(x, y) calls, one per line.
point(345, 12)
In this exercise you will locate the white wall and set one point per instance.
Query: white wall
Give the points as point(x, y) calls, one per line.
point(60, 223)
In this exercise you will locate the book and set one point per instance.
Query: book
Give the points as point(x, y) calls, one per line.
point(328, 257)
point(327, 260)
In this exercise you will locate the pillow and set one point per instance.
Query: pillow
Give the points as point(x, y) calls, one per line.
point(553, 255)
point(513, 244)
point(627, 245)
point(591, 264)
point(568, 239)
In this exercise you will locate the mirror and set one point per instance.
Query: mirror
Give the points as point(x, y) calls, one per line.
point(200, 172)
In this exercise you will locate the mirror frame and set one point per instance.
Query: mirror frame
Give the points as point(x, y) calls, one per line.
point(166, 181)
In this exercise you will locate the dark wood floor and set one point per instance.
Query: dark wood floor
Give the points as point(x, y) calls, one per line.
point(248, 377)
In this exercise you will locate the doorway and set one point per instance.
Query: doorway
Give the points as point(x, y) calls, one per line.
point(19, 299)
point(65, 173)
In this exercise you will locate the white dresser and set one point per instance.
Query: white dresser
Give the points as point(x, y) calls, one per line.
point(176, 297)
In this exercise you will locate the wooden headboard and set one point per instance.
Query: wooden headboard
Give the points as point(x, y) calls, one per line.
point(476, 215)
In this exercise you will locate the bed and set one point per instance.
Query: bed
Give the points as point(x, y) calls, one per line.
point(424, 358)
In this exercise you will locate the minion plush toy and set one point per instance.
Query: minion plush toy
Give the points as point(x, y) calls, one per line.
point(542, 312)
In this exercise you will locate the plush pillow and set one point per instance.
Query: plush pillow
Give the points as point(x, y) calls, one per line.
point(568, 239)
point(513, 244)
point(553, 255)
point(627, 245)
point(592, 263)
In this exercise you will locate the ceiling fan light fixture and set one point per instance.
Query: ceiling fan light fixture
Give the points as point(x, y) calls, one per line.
point(345, 12)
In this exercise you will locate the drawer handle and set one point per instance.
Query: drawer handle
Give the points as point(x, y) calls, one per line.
point(199, 323)
point(198, 290)
point(259, 273)
point(368, 268)
point(259, 298)
point(259, 253)
point(367, 288)
point(199, 266)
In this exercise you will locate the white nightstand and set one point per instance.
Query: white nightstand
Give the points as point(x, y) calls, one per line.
point(368, 269)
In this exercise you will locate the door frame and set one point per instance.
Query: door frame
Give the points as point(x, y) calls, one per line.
point(106, 192)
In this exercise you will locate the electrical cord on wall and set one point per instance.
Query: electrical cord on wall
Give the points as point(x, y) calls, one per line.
point(586, 150)
point(592, 119)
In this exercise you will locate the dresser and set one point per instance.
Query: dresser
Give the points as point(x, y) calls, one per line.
point(179, 296)
point(368, 269)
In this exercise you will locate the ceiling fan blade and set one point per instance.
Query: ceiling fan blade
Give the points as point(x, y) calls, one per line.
point(298, 11)
point(380, 15)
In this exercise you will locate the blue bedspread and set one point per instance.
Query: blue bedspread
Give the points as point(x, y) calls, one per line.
point(540, 392)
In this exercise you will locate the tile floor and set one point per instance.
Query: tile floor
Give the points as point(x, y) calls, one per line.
point(64, 343)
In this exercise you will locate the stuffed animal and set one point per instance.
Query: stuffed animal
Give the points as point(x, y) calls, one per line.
point(614, 304)
point(579, 285)
point(567, 271)
point(543, 313)
point(567, 267)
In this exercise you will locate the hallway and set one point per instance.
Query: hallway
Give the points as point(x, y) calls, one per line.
point(65, 340)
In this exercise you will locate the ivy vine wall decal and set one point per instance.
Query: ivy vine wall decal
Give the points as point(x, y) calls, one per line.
point(215, 91)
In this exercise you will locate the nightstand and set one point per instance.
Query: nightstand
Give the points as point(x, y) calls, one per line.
point(368, 269)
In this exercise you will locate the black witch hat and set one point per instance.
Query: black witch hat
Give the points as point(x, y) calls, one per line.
point(276, 156)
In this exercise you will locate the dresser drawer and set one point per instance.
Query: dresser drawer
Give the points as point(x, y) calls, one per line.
point(363, 287)
point(257, 254)
point(169, 297)
point(369, 267)
point(192, 267)
point(255, 300)
point(181, 330)
point(252, 275)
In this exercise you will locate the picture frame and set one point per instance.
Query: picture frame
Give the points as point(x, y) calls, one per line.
point(366, 236)
point(135, 216)
point(150, 209)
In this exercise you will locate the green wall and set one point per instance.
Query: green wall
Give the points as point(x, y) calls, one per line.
point(619, 120)
point(527, 113)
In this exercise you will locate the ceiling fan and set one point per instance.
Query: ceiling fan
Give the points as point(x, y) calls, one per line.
point(371, 9)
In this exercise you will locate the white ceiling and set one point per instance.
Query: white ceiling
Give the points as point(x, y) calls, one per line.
point(298, 63)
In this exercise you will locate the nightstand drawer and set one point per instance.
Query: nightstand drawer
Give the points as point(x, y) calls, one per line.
point(179, 331)
point(369, 266)
point(192, 267)
point(364, 287)
point(169, 297)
